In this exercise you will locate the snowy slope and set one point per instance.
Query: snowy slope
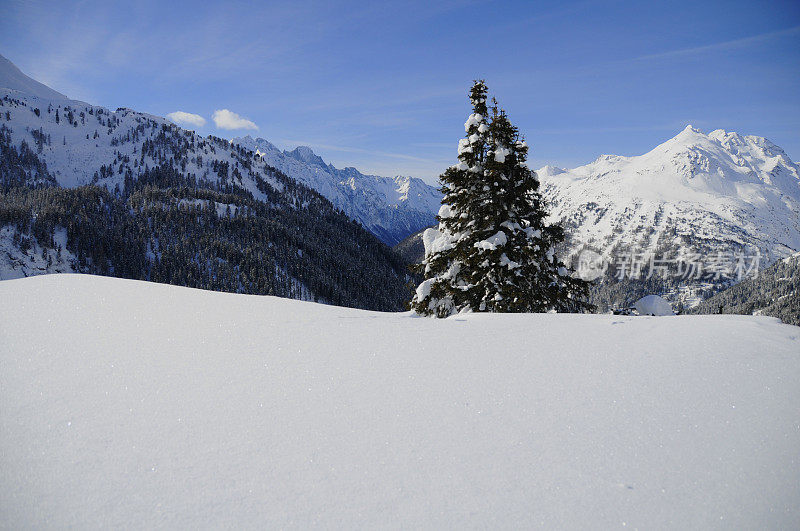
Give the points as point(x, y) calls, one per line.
point(130, 404)
point(97, 137)
point(696, 192)
point(391, 208)
point(13, 79)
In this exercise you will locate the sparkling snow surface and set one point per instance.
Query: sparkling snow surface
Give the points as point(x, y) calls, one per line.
point(128, 404)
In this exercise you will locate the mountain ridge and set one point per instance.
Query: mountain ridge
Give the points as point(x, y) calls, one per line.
point(744, 180)
point(391, 207)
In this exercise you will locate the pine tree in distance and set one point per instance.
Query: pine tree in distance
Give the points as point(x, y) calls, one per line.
point(492, 251)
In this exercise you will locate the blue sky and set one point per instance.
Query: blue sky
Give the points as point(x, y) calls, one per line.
point(382, 85)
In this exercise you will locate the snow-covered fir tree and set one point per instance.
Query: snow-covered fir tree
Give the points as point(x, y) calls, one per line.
point(492, 251)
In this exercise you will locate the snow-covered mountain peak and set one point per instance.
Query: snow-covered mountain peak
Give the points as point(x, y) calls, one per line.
point(719, 164)
point(734, 145)
point(688, 138)
point(307, 155)
point(695, 191)
point(549, 171)
point(610, 158)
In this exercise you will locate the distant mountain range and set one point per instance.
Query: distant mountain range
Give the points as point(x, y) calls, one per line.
point(705, 204)
point(695, 199)
point(391, 208)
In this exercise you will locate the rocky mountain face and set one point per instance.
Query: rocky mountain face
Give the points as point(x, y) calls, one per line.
point(695, 192)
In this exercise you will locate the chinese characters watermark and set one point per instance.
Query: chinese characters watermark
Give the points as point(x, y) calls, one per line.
point(730, 265)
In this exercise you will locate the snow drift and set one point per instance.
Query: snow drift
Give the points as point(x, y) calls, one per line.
point(129, 404)
point(653, 305)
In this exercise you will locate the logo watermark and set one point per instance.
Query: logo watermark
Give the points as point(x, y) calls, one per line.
point(591, 265)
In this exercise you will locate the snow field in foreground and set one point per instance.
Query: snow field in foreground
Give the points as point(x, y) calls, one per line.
point(129, 404)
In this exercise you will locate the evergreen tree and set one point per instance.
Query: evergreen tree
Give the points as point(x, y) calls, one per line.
point(493, 251)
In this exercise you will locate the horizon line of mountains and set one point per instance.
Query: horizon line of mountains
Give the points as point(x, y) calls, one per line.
point(695, 193)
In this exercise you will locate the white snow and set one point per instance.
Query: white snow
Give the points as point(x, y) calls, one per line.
point(491, 243)
point(473, 119)
point(436, 242)
point(446, 211)
point(424, 289)
point(505, 261)
point(653, 305)
point(128, 404)
point(500, 153)
point(722, 189)
point(533, 234)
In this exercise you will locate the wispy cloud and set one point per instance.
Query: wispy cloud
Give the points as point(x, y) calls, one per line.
point(229, 120)
point(186, 118)
point(719, 46)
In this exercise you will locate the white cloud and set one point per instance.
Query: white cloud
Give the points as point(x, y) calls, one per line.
point(225, 119)
point(187, 118)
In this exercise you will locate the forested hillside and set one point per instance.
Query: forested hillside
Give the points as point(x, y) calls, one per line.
point(163, 204)
point(774, 292)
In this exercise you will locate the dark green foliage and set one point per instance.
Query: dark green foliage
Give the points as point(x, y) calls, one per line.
point(774, 292)
point(181, 236)
point(411, 249)
point(22, 167)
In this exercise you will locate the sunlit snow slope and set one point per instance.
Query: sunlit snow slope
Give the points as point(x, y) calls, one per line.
point(130, 404)
point(695, 193)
